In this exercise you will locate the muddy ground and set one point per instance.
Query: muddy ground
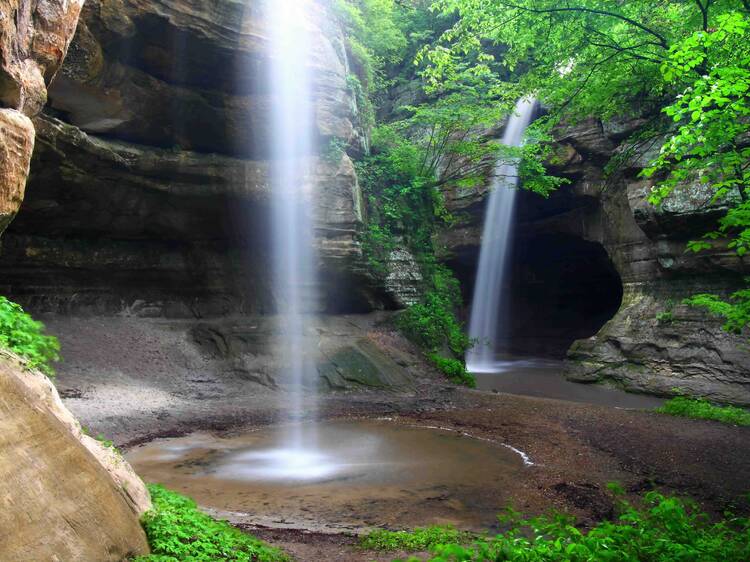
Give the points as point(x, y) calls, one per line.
point(576, 448)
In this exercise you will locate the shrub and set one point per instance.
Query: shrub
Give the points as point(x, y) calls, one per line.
point(177, 531)
point(666, 529)
point(23, 335)
point(432, 323)
point(454, 369)
point(700, 408)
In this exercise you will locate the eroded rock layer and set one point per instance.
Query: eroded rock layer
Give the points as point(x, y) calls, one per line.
point(149, 184)
point(34, 38)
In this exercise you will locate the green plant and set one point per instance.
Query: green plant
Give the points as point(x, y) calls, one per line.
point(23, 335)
point(334, 151)
point(665, 529)
point(665, 317)
point(700, 408)
point(178, 532)
point(735, 310)
point(418, 539)
point(432, 323)
point(454, 369)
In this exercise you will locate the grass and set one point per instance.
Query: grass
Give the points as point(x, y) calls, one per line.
point(700, 408)
point(423, 538)
point(665, 529)
point(178, 532)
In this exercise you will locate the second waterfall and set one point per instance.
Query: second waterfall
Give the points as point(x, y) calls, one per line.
point(488, 310)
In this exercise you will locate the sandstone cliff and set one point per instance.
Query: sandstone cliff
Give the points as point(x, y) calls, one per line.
point(34, 37)
point(149, 182)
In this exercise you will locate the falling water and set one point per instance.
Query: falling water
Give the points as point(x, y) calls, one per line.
point(487, 309)
point(292, 230)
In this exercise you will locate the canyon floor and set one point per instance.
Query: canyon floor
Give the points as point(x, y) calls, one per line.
point(576, 448)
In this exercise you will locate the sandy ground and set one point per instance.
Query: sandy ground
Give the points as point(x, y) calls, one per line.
point(576, 448)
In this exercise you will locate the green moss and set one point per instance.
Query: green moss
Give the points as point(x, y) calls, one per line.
point(432, 324)
point(700, 408)
point(23, 335)
point(178, 532)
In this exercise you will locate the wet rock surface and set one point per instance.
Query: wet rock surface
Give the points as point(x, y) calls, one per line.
point(576, 448)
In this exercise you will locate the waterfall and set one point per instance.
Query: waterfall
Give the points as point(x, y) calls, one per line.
point(293, 259)
point(488, 310)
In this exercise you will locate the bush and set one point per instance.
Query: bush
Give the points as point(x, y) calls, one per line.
point(432, 323)
point(177, 531)
point(23, 335)
point(454, 369)
point(700, 408)
point(666, 529)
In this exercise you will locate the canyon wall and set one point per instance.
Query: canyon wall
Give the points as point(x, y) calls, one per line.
point(148, 192)
point(645, 339)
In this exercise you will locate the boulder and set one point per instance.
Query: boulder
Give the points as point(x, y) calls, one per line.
point(34, 38)
point(65, 496)
point(16, 145)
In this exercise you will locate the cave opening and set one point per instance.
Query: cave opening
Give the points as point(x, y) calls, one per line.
point(559, 288)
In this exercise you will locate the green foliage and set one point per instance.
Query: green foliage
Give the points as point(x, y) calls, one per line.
point(334, 151)
point(666, 529)
point(432, 323)
point(454, 369)
point(665, 317)
point(700, 408)
point(688, 61)
point(23, 335)
point(177, 532)
point(418, 539)
point(736, 311)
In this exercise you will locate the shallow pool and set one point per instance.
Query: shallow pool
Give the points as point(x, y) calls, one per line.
point(348, 474)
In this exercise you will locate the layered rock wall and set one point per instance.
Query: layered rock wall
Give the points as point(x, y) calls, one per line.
point(148, 192)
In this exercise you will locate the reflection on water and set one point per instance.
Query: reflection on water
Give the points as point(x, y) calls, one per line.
point(531, 376)
point(360, 473)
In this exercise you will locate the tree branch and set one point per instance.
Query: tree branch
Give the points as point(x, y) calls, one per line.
point(580, 9)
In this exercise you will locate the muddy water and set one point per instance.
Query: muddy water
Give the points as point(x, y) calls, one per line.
point(365, 473)
point(543, 378)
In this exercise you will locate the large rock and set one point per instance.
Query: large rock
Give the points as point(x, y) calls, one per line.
point(34, 37)
point(16, 145)
point(192, 75)
point(64, 495)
